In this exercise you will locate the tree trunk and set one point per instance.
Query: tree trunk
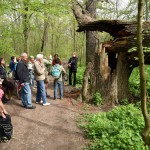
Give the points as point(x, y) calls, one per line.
point(74, 35)
point(26, 27)
point(147, 6)
point(123, 74)
point(91, 41)
point(44, 39)
point(142, 72)
point(106, 73)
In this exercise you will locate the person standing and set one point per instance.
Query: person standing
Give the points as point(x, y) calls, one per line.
point(57, 71)
point(50, 59)
point(39, 69)
point(12, 64)
point(3, 71)
point(3, 112)
point(3, 75)
point(22, 74)
point(72, 64)
point(56, 57)
point(31, 71)
point(47, 72)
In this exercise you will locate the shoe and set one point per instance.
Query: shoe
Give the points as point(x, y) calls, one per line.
point(30, 107)
point(46, 104)
point(41, 102)
point(61, 98)
point(47, 95)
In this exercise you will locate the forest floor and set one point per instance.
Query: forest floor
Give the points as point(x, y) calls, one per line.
point(51, 127)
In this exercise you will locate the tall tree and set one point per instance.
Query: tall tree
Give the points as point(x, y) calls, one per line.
point(26, 18)
point(91, 36)
point(45, 31)
point(142, 71)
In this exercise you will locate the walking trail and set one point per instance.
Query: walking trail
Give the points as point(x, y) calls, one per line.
point(51, 127)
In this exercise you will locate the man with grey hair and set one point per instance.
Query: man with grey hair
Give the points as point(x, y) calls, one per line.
point(39, 69)
point(22, 74)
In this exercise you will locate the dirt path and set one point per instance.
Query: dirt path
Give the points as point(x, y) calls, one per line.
point(46, 128)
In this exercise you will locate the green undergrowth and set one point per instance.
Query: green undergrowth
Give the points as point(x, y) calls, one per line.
point(80, 74)
point(118, 129)
point(134, 81)
point(97, 99)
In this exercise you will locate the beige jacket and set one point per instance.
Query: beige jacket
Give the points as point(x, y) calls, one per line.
point(39, 70)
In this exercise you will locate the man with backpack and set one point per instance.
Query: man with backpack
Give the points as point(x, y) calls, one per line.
point(57, 73)
point(72, 65)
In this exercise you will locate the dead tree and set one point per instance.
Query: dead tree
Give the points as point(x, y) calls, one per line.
point(114, 61)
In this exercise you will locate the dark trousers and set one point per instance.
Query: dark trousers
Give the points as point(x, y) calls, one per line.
point(70, 77)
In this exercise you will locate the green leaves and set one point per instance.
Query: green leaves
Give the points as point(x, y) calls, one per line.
point(97, 99)
point(80, 75)
point(134, 81)
point(118, 129)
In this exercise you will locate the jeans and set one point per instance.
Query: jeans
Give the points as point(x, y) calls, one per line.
point(70, 77)
point(56, 85)
point(31, 79)
point(26, 95)
point(41, 93)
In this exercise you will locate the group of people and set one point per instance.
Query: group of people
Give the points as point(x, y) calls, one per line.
point(28, 71)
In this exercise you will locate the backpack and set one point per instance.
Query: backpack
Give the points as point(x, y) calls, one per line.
point(56, 71)
point(6, 128)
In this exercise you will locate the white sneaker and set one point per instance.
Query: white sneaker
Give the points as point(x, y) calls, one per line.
point(41, 102)
point(46, 104)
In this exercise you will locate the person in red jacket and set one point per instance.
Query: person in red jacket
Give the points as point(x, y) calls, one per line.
point(55, 57)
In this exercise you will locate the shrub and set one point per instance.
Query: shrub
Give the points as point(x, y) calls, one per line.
point(134, 81)
point(80, 75)
point(118, 129)
point(97, 99)
point(124, 102)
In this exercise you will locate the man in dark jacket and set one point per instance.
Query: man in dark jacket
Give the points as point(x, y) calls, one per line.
point(22, 74)
point(72, 64)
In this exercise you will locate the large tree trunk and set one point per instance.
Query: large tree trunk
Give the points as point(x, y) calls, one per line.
point(91, 41)
point(107, 72)
point(142, 72)
point(123, 74)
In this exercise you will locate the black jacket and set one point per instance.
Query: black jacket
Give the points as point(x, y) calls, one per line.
point(22, 72)
point(2, 72)
point(73, 62)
